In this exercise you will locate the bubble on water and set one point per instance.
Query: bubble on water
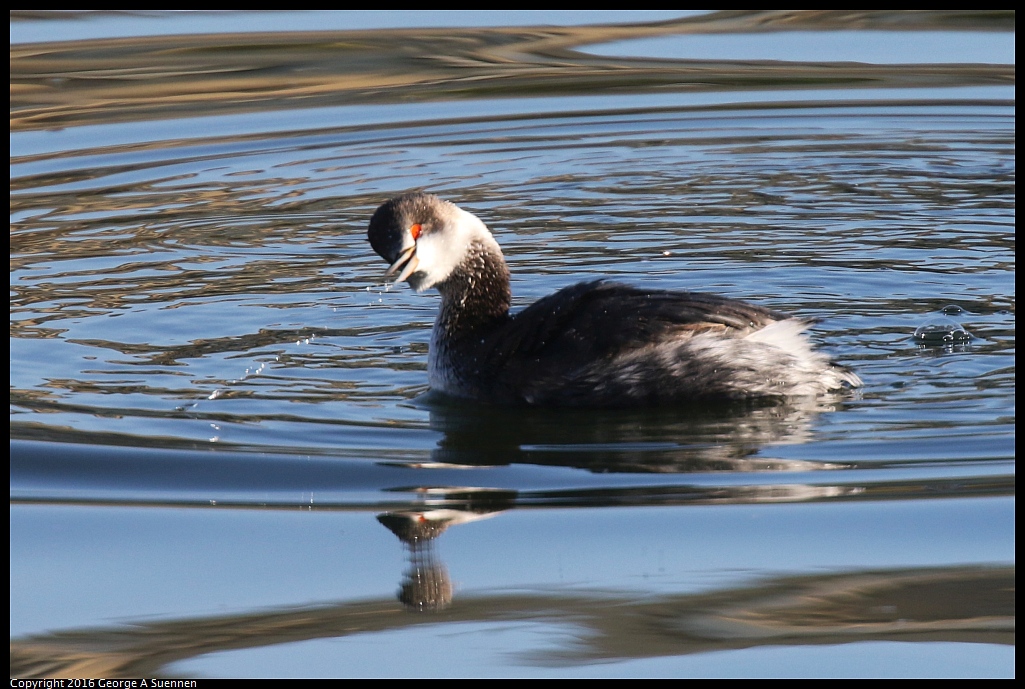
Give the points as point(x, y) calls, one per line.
point(952, 310)
point(941, 332)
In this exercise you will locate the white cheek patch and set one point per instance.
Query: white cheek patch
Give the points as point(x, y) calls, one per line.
point(439, 254)
point(442, 250)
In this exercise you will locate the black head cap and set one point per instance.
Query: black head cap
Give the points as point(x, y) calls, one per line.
point(390, 223)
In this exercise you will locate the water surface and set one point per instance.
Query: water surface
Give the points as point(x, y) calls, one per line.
point(220, 427)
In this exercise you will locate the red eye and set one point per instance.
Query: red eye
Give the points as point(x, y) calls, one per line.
point(415, 230)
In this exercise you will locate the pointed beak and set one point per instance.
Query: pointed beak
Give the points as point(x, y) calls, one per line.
point(407, 262)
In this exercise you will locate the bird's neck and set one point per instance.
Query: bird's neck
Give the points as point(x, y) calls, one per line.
point(476, 295)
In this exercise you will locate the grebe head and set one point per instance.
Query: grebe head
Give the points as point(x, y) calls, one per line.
point(425, 238)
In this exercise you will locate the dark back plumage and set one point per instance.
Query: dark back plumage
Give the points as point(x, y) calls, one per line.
point(567, 348)
point(599, 319)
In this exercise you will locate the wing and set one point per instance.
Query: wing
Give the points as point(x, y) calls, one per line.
point(599, 320)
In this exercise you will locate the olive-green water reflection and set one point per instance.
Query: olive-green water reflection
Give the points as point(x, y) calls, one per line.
point(958, 604)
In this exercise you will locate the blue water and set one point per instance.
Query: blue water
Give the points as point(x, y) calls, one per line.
point(221, 431)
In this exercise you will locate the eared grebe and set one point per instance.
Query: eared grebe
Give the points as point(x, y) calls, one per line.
point(597, 344)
